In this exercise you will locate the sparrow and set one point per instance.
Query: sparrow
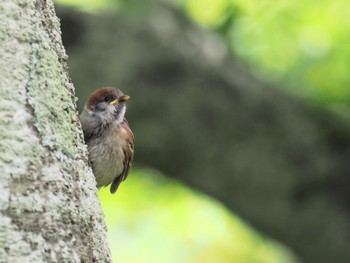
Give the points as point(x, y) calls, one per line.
point(109, 139)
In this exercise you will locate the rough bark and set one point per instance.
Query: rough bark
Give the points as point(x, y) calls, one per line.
point(49, 209)
point(200, 116)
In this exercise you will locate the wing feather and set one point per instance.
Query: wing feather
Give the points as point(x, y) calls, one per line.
point(128, 157)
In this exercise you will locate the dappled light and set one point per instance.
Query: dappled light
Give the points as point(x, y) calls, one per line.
point(166, 222)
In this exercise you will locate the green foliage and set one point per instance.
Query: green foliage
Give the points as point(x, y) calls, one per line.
point(301, 46)
point(154, 219)
point(88, 5)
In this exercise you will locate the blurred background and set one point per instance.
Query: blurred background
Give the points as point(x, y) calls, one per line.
point(240, 110)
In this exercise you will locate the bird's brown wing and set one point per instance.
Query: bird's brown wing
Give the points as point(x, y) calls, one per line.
point(128, 151)
point(128, 158)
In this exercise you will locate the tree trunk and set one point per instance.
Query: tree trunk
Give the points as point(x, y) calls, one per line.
point(49, 209)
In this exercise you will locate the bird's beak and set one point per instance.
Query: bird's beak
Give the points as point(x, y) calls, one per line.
point(120, 99)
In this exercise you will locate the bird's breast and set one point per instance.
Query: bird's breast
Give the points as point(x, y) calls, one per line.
point(106, 154)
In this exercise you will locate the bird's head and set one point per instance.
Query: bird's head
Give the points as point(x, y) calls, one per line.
point(108, 104)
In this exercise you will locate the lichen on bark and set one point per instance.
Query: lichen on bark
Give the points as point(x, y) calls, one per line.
point(49, 209)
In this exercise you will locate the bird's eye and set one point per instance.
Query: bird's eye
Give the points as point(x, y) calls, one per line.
point(107, 98)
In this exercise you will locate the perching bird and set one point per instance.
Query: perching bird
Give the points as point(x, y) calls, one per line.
point(107, 134)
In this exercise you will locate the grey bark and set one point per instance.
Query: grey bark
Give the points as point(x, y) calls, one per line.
point(49, 209)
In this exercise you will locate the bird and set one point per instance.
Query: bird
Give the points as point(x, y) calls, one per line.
point(109, 139)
